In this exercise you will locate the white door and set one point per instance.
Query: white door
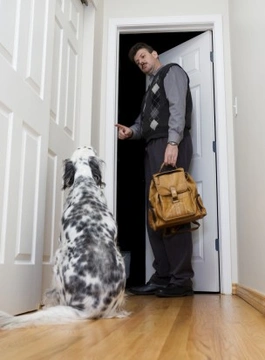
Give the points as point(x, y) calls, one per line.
point(64, 118)
point(194, 57)
point(29, 35)
point(24, 112)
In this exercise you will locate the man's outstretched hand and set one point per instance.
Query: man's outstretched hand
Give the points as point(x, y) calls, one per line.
point(124, 132)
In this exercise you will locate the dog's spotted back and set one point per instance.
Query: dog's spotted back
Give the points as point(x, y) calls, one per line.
point(89, 272)
point(89, 231)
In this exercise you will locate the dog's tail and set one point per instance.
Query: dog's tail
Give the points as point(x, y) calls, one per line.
point(52, 315)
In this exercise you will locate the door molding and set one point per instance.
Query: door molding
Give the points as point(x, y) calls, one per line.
point(174, 24)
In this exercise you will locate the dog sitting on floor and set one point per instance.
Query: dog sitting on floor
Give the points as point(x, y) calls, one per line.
point(89, 272)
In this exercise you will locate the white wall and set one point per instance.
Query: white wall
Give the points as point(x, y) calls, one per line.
point(248, 59)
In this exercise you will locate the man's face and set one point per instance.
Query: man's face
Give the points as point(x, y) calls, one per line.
point(146, 61)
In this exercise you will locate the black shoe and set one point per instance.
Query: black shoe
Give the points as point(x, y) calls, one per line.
point(173, 290)
point(147, 289)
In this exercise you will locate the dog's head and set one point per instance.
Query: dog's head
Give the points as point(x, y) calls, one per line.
point(83, 153)
point(83, 156)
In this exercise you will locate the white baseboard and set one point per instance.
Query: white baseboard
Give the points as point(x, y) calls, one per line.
point(253, 297)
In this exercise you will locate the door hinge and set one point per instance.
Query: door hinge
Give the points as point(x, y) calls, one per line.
point(211, 56)
point(214, 146)
point(217, 244)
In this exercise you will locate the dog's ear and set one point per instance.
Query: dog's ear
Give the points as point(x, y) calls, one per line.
point(69, 174)
point(95, 166)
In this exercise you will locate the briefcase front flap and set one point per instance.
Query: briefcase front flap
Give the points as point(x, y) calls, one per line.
point(174, 180)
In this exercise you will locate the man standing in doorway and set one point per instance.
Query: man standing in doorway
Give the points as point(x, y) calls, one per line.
point(164, 123)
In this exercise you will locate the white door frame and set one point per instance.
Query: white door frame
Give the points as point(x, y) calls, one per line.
point(174, 24)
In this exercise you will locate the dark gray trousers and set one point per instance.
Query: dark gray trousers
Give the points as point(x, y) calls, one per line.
point(172, 253)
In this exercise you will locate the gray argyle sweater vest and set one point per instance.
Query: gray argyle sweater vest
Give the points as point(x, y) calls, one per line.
point(155, 107)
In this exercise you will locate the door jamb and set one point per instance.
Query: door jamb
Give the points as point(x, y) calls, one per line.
point(174, 24)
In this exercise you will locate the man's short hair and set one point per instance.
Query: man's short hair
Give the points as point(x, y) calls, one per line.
point(137, 47)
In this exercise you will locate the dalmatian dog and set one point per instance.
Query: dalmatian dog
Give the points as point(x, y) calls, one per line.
point(89, 272)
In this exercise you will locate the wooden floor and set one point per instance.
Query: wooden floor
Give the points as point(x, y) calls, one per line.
point(200, 327)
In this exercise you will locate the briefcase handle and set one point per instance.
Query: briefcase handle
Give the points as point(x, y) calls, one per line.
point(167, 167)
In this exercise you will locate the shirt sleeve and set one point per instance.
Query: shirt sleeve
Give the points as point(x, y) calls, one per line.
point(136, 129)
point(176, 86)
